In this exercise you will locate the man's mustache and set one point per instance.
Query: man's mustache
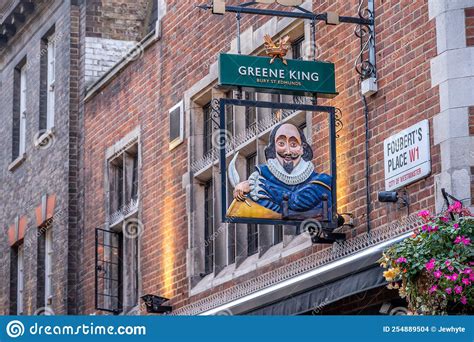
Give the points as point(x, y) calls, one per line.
point(293, 156)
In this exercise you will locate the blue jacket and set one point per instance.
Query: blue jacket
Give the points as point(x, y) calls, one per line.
point(303, 197)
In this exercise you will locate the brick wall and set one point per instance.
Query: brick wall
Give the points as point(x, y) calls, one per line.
point(142, 93)
point(469, 12)
point(45, 170)
point(122, 19)
point(102, 54)
point(112, 30)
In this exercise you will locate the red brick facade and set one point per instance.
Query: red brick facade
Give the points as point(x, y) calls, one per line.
point(142, 93)
point(469, 12)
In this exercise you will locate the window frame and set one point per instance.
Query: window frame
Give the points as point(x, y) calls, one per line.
point(23, 110)
point(19, 116)
point(297, 45)
point(51, 81)
point(208, 128)
point(180, 138)
point(209, 227)
point(48, 266)
point(124, 182)
point(20, 279)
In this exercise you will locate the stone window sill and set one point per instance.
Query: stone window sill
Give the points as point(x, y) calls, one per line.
point(17, 162)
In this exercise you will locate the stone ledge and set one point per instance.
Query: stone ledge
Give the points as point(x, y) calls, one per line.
point(451, 64)
point(17, 162)
point(437, 7)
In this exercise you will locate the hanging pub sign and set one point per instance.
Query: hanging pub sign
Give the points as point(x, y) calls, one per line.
point(407, 156)
point(275, 74)
point(286, 185)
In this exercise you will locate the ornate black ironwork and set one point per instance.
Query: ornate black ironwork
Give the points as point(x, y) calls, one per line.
point(339, 123)
point(215, 112)
point(327, 225)
point(302, 13)
point(108, 271)
point(365, 61)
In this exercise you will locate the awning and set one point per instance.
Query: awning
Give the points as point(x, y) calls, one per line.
point(355, 273)
point(325, 294)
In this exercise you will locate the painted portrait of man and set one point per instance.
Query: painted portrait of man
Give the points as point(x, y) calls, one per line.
point(286, 183)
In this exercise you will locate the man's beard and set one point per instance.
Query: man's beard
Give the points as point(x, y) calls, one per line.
point(288, 166)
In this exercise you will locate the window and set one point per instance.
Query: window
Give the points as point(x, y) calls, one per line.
point(208, 228)
point(297, 48)
point(123, 182)
point(277, 234)
point(117, 248)
point(117, 270)
point(252, 229)
point(20, 280)
point(153, 16)
point(48, 267)
point(208, 127)
point(229, 121)
point(47, 82)
point(176, 118)
point(108, 271)
point(231, 231)
point(250, 112)
point(19, 112)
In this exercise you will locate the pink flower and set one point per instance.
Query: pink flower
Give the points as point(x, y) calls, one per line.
point(424, 214)
point(462, 239)
point(450, 268)
point(425, 228)
point(400, 260)
point(467, 271)
point(458, 289)
point(455, 208)
point(444, 219)
point(438, 274)
point(448, 290)
point(433, 288)
point(447, 262)
point(471, 277)
point(452, 277)
point(463, 300)
point(456, 226)
point(430, 265)
point(466, 281)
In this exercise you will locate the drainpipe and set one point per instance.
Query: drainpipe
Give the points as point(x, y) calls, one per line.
point(367, 166)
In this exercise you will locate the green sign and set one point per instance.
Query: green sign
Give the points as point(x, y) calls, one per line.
point(297, 77)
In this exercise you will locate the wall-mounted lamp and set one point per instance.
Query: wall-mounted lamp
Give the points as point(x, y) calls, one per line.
point(153, 304)
point(393, 197)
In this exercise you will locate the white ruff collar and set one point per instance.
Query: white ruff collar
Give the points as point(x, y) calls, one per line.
point(300, 173)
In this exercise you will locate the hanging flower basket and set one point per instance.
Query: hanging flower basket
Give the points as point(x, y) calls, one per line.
point(433, 269)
